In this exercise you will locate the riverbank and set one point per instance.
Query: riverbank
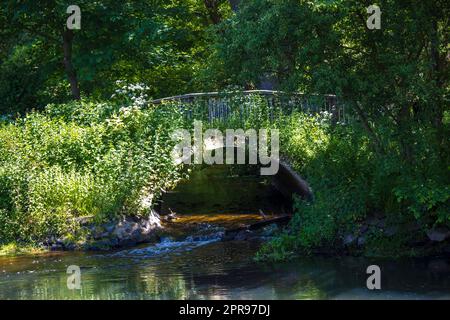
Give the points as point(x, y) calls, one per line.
point(366, 201)
point(242, 227)
point(203, 205)
point(14, 249)
point(83, 159)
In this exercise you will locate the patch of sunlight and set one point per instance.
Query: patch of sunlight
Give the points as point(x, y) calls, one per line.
point(16, 249)
point(228, 220)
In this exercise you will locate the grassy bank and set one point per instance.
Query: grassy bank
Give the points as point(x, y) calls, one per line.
point(83, 159)
point(14, 249)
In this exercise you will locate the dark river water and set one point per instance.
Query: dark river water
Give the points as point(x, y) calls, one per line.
point(216, 270)
point(188, 263)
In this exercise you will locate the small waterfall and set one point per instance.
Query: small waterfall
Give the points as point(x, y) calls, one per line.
point(167, 245)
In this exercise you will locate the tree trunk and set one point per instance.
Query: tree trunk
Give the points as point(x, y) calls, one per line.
point(365, 121)
point(212, 6)
point(436, 66)
point(404, 124)
point(70, 70)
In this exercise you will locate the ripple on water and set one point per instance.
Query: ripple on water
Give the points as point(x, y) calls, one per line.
point(168, 246)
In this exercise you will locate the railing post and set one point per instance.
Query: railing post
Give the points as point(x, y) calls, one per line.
point(332, 103)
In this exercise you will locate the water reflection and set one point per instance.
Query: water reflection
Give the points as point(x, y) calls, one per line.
point(220, 270)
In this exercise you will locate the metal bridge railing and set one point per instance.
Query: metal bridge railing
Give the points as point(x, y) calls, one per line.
point(219, 105)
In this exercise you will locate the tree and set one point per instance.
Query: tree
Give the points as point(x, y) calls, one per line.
point(161, 43)
point(398, 73)
point(45, 19)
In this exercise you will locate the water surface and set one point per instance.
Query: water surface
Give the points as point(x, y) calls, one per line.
point(215, 270)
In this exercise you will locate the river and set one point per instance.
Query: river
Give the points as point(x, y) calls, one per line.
point(191, 262)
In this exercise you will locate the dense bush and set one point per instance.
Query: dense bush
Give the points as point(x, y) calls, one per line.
point(83, 159)
point(351, 182)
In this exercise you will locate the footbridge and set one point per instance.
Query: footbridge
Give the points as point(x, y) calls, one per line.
point(220, 105)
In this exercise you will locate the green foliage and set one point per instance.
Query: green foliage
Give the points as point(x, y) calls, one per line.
point(103, 158)
point(265, 40)
point(351, 183)
point(350, 180)
point(14, 249)
point(282, 247)
point(391, 157)
point(161, 43)
point(83, 159)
